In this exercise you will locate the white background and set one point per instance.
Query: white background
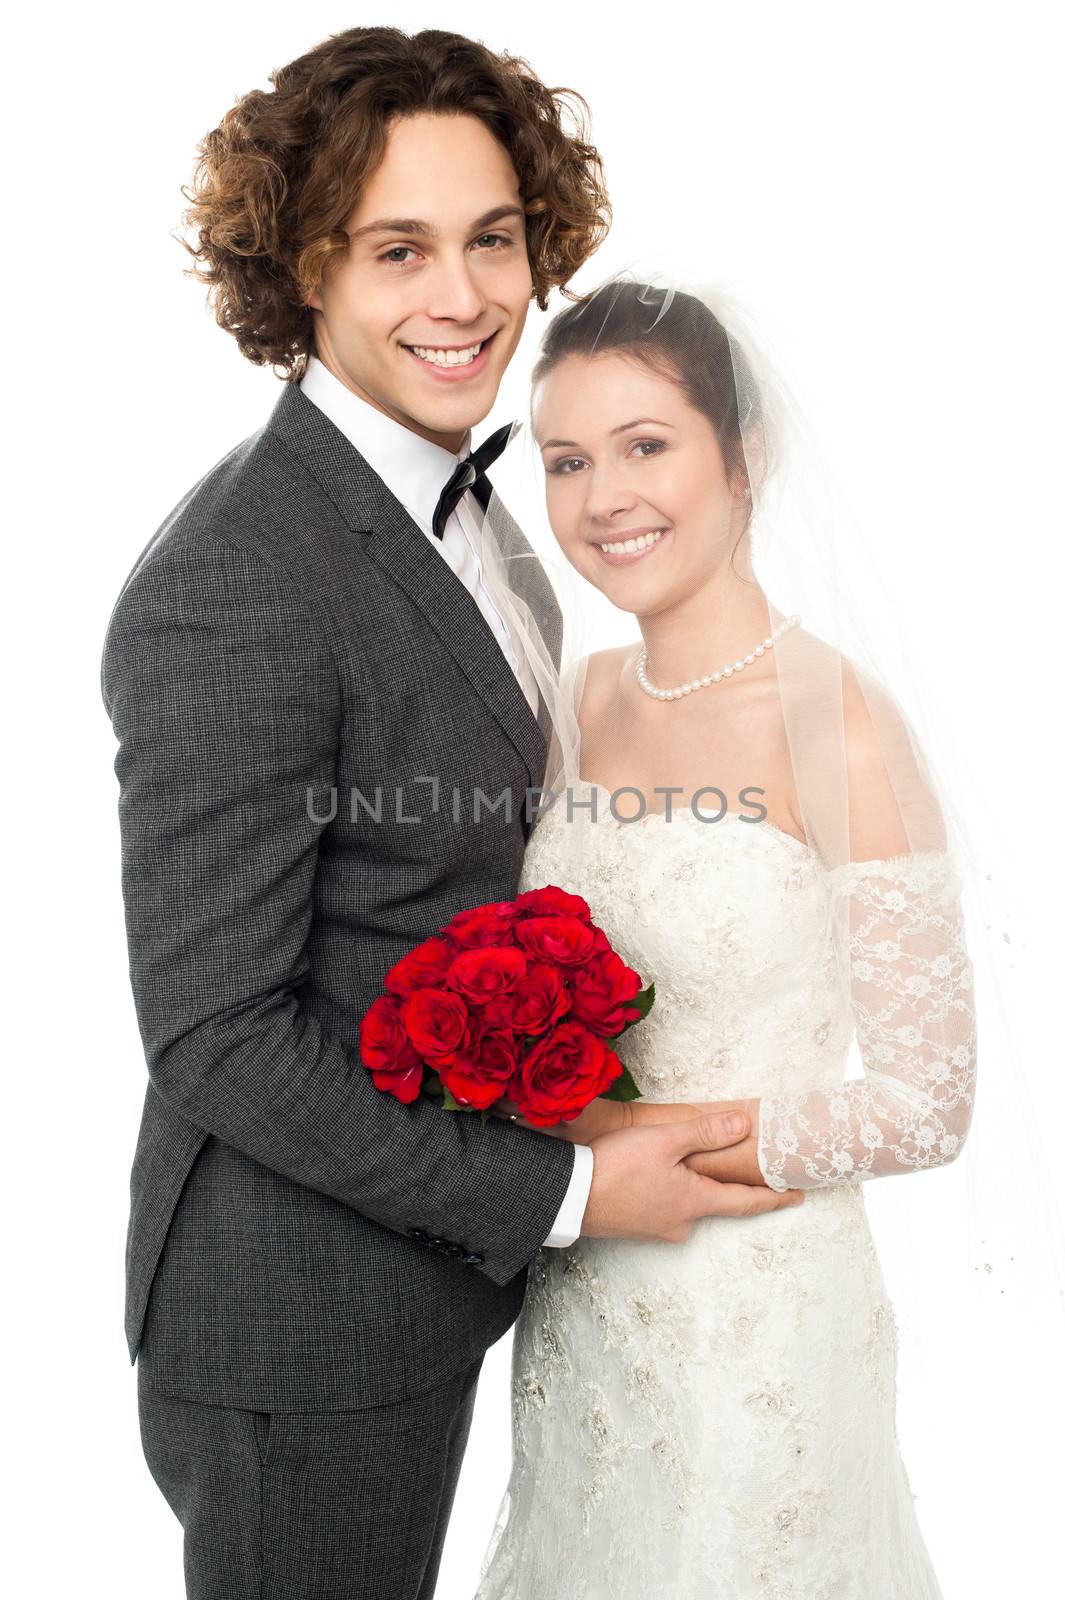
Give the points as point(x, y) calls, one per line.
point(880, 185)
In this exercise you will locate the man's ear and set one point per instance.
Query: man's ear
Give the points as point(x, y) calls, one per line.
point(314, 301)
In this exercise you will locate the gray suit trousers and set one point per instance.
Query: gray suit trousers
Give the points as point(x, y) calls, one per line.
point(311, 1505)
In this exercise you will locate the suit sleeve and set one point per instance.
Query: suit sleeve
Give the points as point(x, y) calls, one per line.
point(227, 708)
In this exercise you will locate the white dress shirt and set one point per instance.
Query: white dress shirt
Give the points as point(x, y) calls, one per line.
point(416, 470)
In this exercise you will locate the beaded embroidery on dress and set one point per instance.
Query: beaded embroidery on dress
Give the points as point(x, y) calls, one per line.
point(716, 1419)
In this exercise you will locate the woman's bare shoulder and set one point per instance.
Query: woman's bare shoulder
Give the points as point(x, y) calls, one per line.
point(603, 667)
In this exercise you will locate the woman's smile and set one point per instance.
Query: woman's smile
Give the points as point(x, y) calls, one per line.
point(623, 549)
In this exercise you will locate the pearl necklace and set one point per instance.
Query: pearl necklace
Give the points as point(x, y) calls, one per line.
point(712, 677)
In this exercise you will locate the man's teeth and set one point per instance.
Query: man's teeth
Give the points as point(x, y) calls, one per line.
point(629, 546)
point(447, 358)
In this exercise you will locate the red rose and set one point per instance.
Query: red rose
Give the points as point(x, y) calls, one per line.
point(436, 1023)
point(538, 1000)
point(480, 975)
point(498, 1014)
point(406, 1084)
point(563, 1074)
point(481, 1070)
point(387, 1052)
point(601, 991)
point(383, 1042)
point(483, 925)
point(551, 902)
point(424, 967)
point(562, 941)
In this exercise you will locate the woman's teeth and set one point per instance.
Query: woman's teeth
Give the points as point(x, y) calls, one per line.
point(447, 358)
point(630, 546)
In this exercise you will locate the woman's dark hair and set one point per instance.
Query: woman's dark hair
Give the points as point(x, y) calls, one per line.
point(675, 335)
point(280, 176)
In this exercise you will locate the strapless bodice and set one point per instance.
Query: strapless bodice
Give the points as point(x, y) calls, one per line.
point(732, 921)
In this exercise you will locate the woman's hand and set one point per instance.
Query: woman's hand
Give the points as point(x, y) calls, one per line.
point(601, 1116)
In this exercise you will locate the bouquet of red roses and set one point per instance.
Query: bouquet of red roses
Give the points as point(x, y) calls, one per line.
point(515, 999)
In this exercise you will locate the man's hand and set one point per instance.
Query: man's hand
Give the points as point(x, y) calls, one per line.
point(643, 1186)
point(734, 1163)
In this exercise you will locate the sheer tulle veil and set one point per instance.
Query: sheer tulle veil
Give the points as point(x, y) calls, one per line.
point(971, 1243)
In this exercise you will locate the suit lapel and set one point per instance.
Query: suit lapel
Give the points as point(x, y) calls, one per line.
point(396, 544)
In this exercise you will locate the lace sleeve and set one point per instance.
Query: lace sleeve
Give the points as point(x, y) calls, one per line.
point(912, 1005)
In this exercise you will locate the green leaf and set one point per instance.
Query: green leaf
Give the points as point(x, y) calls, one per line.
point(450, 1103)
point(623, 1088)
point(643, 1001)
point(431, 1085)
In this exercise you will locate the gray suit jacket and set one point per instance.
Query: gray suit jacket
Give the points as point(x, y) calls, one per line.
point(298, 1239)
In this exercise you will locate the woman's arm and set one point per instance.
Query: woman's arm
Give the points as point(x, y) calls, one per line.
point(901, 941)
point(914, 1018)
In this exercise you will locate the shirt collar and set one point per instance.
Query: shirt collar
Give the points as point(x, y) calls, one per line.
point(413, 468)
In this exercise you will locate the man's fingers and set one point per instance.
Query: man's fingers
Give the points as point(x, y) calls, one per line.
point(712, 1130)
point(745, 1199)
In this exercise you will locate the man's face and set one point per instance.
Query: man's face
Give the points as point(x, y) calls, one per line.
point(437, 264)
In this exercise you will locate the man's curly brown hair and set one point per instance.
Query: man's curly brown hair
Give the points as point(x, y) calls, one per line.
point(280, 176)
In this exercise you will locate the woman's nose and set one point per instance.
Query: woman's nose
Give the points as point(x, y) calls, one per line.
point(609, 499)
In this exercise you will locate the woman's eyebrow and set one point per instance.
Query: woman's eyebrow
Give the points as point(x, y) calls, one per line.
point(426, 230)
point(623, 428)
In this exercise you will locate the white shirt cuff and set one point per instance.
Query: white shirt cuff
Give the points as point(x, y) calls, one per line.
point(571, 1214)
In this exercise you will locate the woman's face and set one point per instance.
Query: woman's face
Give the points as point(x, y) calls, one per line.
point(637, 491)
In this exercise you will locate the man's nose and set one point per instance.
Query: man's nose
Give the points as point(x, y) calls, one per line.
point(456, 294)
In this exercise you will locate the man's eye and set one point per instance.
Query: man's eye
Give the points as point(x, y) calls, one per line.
point(501, 238)
point(397, 250)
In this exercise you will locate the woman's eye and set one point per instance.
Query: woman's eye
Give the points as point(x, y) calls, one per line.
point(565, 466)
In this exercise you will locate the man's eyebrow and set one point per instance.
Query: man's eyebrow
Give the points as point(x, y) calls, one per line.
point(425, 230)
point(623, 428)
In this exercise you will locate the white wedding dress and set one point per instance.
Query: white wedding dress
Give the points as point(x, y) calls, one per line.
point(715, 1420)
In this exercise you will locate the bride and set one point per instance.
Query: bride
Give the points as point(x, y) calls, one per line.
point(742, 806)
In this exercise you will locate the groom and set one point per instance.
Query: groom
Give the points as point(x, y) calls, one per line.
point(314, 1270)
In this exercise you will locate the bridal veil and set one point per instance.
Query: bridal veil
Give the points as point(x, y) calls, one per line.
point(970, 1245)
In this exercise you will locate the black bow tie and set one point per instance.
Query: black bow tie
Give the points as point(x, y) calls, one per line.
point(470, 474)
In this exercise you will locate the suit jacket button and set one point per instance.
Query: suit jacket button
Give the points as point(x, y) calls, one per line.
point(416, 1233)
point(472, 1258)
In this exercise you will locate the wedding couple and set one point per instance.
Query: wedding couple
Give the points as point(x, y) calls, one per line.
point(703, 1382)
